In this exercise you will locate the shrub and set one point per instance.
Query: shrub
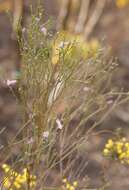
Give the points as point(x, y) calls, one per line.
point(61, 105)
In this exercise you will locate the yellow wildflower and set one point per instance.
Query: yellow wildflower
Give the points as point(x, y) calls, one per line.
point(122, 3)
point(118, 149)
point(69, 186)
point(15, 180)
point(75, 183)
point(64, 180)
point(74, 46)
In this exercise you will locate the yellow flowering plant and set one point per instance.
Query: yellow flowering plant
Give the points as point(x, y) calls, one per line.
point(74, 46)
point(68, 185)
point(122, 3)
point(14, 180)
point(117, 149)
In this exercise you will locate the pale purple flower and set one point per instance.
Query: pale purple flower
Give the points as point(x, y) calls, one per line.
point(46, 134)
point(59, 124)
point(63, 44)
point(30, 141)
point(44, 31)
point(11, 82)
point(23, 30)
point(109, 101)
point(86, 89)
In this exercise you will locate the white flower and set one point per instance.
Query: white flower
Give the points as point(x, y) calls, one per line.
point(63, 44)
point(109, 101)
point(23, 30)
point(59, 124)
point(46, 134)
point(30, 141)
point(44, 31)
point(86, 89)
point(11, 82)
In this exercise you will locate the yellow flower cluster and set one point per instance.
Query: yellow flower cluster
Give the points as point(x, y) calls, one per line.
point(122, 3)
point(117, 149)
point(14, 180)
point(74, 46)
point(69, 186)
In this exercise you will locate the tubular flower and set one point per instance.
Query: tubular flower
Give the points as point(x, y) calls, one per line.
point(118, 150)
